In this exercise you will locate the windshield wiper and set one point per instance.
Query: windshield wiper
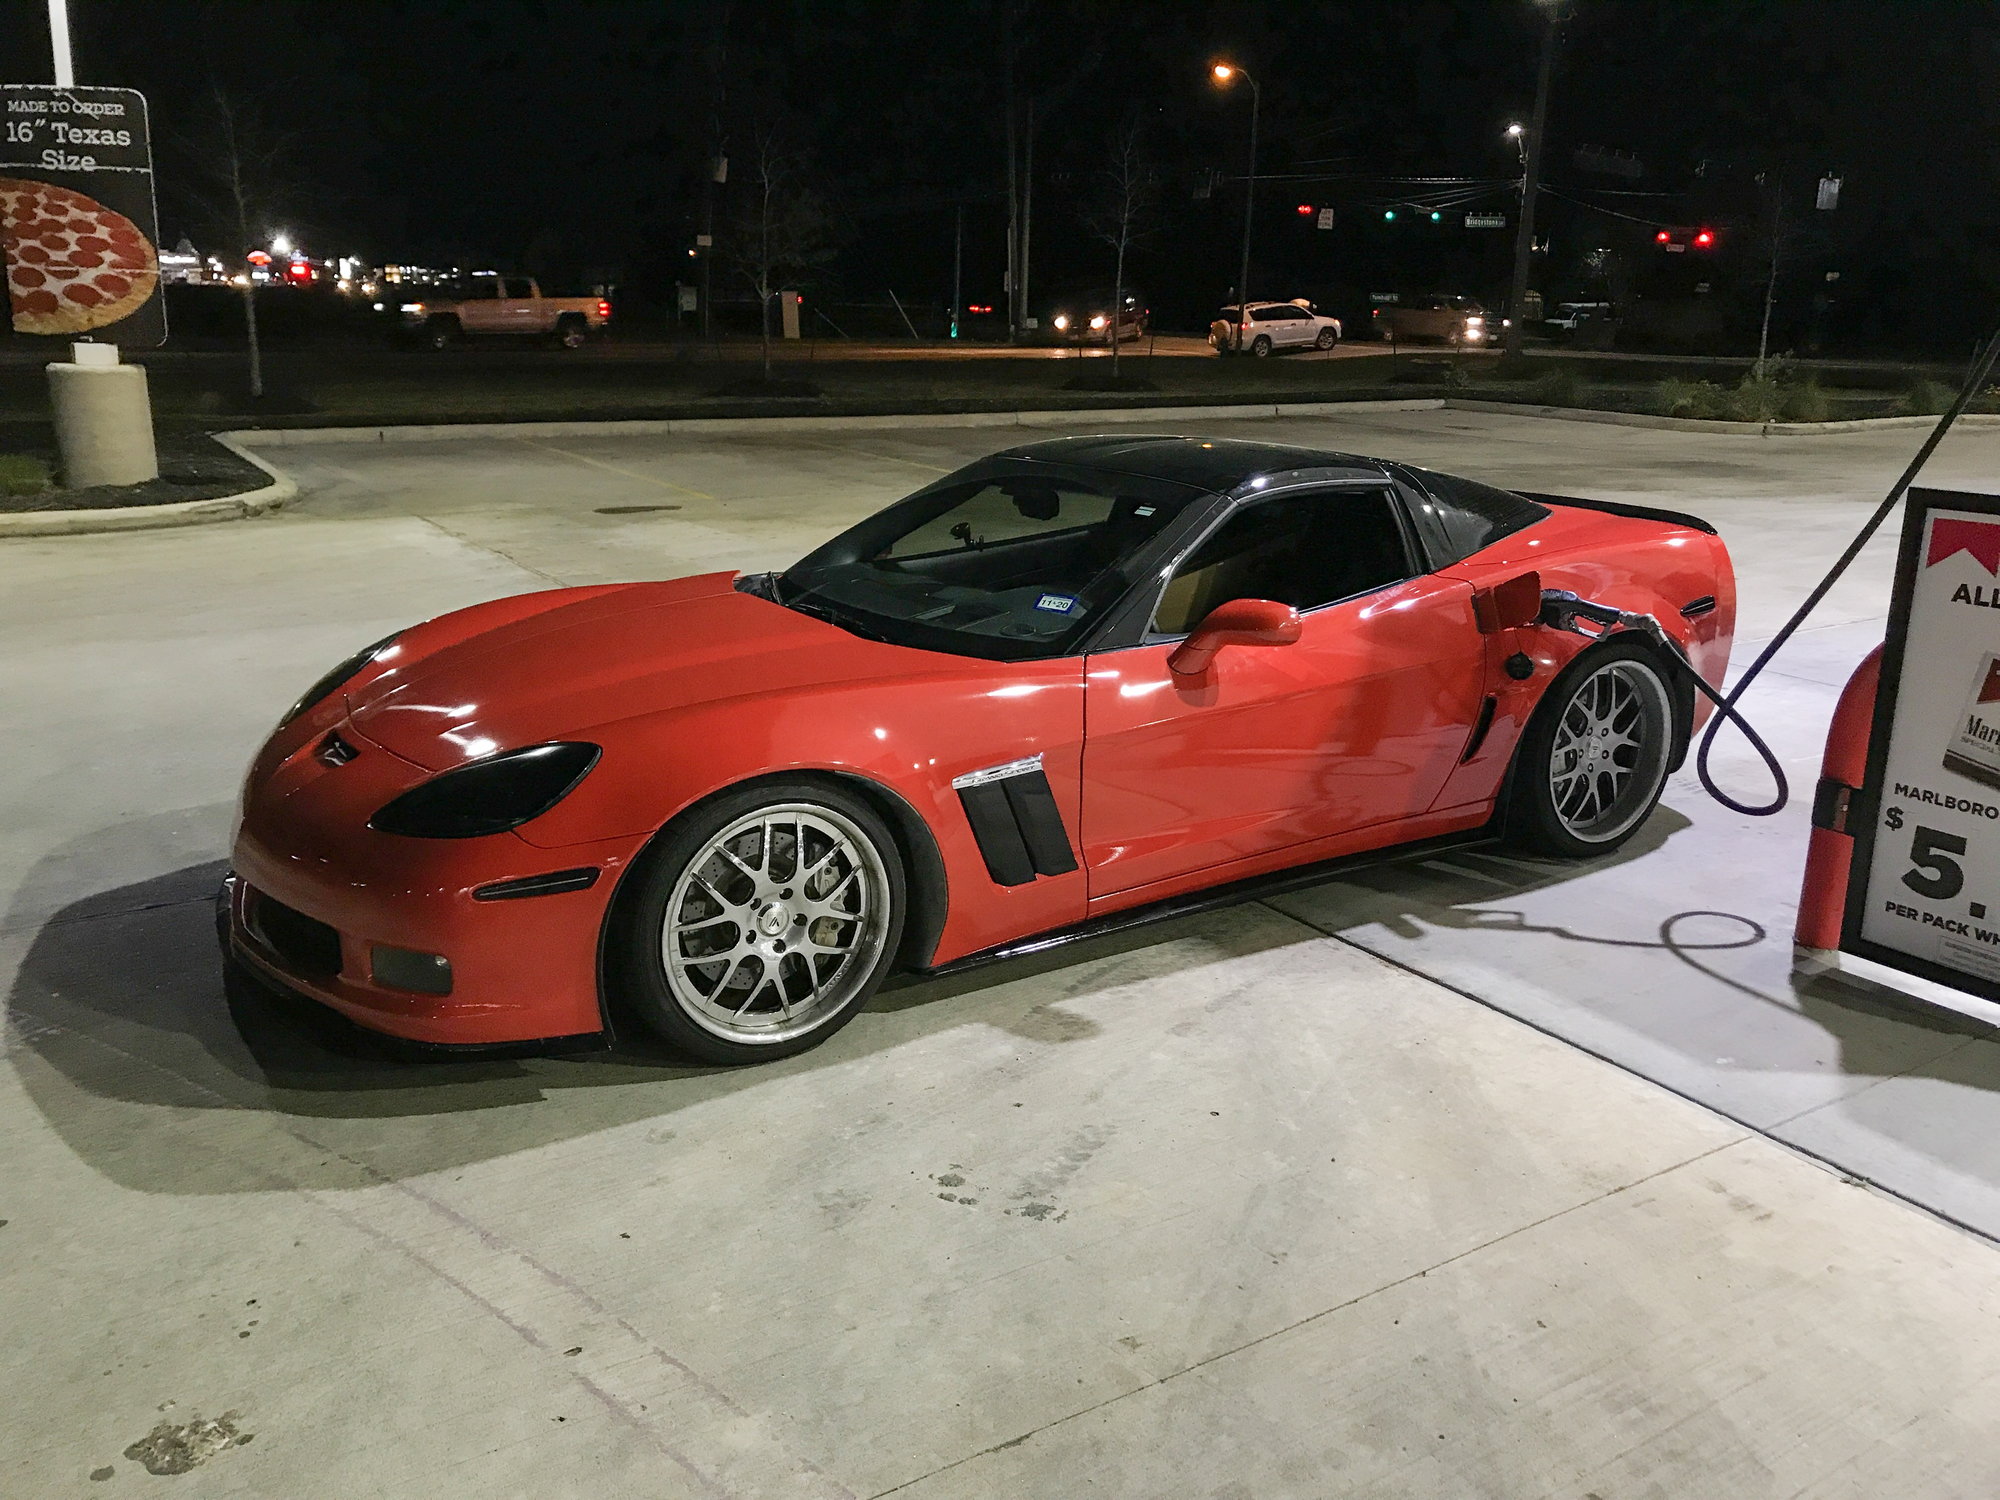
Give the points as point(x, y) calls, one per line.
point(825, 612)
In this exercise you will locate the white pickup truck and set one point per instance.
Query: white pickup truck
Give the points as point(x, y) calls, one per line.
point(487, 303)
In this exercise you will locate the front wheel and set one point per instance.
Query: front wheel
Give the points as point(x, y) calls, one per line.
point(761, 922)
point(1261, 346)
point(1327, 339)
point(1594, 760)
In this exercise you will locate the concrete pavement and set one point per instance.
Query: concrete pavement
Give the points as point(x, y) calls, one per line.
point(1244, 1206)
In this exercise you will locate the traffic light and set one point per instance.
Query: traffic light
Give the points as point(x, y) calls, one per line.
point(1388, 216)
point(1436, 217)
point(1305, 210)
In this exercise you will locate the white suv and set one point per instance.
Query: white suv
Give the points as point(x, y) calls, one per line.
point(1273, 326)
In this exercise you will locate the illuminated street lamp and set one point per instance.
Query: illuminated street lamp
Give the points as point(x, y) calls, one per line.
point(1224, 75)
point(281, 244)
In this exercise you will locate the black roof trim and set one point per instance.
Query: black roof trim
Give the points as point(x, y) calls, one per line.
point(1219, 464)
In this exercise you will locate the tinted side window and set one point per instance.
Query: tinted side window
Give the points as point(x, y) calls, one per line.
point(1304, 550)
point(1477, 515)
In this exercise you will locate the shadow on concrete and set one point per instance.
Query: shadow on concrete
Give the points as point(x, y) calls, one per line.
point(129, 1041)
point(131, 1045)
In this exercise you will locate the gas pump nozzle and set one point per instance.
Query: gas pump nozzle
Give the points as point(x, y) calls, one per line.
point(1561, 610)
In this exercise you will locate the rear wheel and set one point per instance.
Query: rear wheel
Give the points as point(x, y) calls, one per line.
point(1261, 346)
point(442, 333)
point(762, 922)
point(1590, 769)
point(572, 333)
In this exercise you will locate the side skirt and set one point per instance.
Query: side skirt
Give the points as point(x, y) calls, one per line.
point(1253, 889)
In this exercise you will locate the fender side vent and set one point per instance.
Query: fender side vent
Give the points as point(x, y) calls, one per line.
point(1016, 823)
point(552, 884)
point(1480, 727)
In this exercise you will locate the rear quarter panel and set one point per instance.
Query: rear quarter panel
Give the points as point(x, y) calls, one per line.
point(1634, 563)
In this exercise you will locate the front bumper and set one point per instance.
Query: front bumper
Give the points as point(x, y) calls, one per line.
point(316, 895)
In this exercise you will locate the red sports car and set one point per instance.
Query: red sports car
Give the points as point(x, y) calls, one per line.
point(1077, 684)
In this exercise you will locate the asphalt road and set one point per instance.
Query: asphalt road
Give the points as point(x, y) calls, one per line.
point(1277, 1201)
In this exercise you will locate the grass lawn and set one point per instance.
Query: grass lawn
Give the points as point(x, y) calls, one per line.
point(23, 474)
point(364, 385)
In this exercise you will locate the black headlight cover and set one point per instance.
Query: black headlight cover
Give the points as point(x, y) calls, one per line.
point(337, 676)
point(489, 795)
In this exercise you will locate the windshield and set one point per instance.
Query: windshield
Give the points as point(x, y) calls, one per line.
point(1012, 566)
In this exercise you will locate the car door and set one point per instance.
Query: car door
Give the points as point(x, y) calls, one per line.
point(524, 307)
point(1295, 326)
point(480, 309)
point(1358, 723)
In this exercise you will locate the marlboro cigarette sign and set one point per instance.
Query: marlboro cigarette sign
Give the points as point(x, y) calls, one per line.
point(1924, 894)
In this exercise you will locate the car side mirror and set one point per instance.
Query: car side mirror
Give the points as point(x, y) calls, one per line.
point(1240, 622)
point(1509, 606)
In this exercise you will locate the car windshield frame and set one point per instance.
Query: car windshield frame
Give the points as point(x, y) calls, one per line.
point(812, 587)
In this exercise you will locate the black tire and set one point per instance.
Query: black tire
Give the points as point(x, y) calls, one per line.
point(572, 332)
point(1327, 339)
point(442, 333)
point(1556, 801)
point(1261, 346)
point(671, 904)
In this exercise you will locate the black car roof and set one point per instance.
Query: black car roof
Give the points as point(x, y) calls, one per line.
point(1217, 464)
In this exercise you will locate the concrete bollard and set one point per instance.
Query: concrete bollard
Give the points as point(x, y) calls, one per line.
point(104, 419)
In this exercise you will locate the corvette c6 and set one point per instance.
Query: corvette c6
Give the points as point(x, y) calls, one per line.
point(1075, 684)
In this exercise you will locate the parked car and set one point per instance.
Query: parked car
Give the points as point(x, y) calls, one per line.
point(1076, 685)
point(1273, 326)
point(1084, 317)
point(1448, 319)
point(487, 304)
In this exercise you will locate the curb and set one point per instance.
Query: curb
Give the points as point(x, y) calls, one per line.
point(288, 437)
point(152, 517)
point(1705, 424)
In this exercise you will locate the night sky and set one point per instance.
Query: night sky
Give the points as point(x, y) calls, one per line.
point(574, 136)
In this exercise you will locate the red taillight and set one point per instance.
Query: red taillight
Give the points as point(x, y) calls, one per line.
point(1662, 237)
point(603, 308)
point(1705, 239)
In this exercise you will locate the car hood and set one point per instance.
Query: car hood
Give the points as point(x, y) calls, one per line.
point(591, 657)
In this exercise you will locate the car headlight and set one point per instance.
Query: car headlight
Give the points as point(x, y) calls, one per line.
point(490, 795)
point(1099, 321)
point(1062, 322)
point(333, 679)
point(1475, 322)
point(412, 307)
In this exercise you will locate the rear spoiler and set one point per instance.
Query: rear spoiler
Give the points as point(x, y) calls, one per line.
point(1621, 508)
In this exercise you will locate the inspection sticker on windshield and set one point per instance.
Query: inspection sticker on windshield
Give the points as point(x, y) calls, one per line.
point(1060, 604)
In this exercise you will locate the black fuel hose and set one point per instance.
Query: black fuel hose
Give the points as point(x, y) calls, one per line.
point(1726, 703)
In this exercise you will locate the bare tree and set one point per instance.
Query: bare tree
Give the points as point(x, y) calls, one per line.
point(779, 228)
point(1121, 212)
point(238, 170)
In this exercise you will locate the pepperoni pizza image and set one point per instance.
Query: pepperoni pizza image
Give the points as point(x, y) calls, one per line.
point(72, 264)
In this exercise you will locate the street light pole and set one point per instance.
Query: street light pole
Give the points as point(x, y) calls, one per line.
point(1531, 171)
point(1224, 72)
point(59, 43)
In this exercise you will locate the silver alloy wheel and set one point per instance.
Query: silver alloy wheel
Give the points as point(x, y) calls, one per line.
point(1610, 751)
point(776, 923)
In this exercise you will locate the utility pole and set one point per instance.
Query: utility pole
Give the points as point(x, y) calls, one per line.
point(59, 43)
point(1013, 178)
point(1531, 171)
point(1027, 208)
point(958, 271)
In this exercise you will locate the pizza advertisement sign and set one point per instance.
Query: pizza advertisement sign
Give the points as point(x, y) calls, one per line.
point(1924, 892)
point(77, 217)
